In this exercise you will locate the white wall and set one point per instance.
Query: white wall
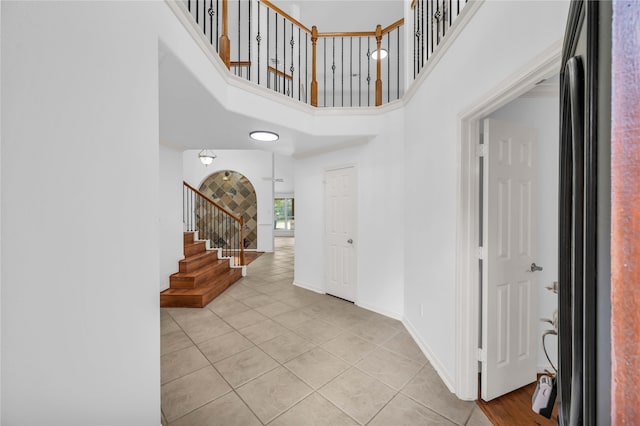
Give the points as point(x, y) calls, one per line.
point(170, 213)
point(80, 315)
point(255, 165)
point(284, 169)
point(543, 114)
point(379, 241)
point(480, 58)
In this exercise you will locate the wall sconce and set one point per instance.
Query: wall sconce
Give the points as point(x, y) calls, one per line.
point(206, 157)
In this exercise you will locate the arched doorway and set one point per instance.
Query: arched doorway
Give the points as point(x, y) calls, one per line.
point(234, 192)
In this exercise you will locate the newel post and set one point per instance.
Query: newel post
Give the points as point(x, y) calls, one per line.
point(378, 66)
point(314, 82)
point(225, 45)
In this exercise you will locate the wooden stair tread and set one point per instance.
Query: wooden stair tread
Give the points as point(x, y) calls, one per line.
point(215, 264)
point(205, 288)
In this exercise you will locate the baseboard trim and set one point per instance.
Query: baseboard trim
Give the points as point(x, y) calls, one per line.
point(435, 362)
point(309, 287)
point(377, 310)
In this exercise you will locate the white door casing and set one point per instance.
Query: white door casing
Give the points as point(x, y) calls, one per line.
point(339, 233)
point(509, 289)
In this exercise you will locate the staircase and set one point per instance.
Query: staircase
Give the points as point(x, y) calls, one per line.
point(201, 277)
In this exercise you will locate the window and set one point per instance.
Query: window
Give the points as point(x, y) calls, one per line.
point(284, 213)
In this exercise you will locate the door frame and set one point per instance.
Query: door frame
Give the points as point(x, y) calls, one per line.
point(543, 66)
point(355, 226)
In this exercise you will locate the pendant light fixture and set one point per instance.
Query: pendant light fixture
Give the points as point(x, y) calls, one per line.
point(206, 157)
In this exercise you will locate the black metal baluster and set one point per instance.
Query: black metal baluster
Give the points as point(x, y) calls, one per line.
point(189, 5)
point(450, 13)
point(299, 64)
point(443, 18)
point(368, 71)
point(275, 78)
point(204, 17)
point(324, 65)
point(268, 35)
point(350, 71)
point(342, 70)
point(258, 39)
point(292, 42)
point(239, 72)
point(210, 22)
point(431, 17)
point(217, 24)
point(416, 31)
point(306, 66)
point(359, 71)
point(197, 13)
point(249, 44)
point(426, 33)
point(388, 67)
point(284, 56)
point(333, 71)
point(398, 62)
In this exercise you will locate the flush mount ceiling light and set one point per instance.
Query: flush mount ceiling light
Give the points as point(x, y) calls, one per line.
point(206, 157)
point(383, 54)
point(264, 136)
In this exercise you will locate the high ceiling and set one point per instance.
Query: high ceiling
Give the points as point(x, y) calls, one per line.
point(348, 15)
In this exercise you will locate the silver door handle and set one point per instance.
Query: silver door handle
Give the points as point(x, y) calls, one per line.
point(534, 268)
point(350, 241)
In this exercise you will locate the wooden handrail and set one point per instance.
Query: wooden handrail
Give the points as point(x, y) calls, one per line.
point(227, 212)
point(393, 26)
point(349, 34)
point(413, 4)
point(240, 63)
point(285, 14)
point(280, 73)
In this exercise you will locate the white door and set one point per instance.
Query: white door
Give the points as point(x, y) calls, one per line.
point(339, 232)
point(509, 289)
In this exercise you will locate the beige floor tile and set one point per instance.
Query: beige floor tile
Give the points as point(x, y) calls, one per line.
point(168, 324)
point(317, 367)
point(273, 309)
point(180, 363)
point(245, 319)
point(377, 333)
point(427, 388)
point(478, 418)
point(286, 346)
point(238, 369)
point(181, 315)
point(174, 341)
point(318, 331)
point(402, 411)
point(192, 391)
point(403, 344)
point(230, 307)
point(202, 329)
point(314, 410)
point(391, 369)
point(357, 394)
point(349, 347)
point(258, 300)
point(292, 319)
point(224, 346)
point(240, 291)
point(263, 331)
point(224, 411)
point(273, 393)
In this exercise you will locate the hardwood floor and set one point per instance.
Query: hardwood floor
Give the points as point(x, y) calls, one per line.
point(514, 408)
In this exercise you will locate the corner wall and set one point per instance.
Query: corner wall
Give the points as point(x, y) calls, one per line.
point(379, 240)
point(80, 315)
point(501, 39)
point(171, 247)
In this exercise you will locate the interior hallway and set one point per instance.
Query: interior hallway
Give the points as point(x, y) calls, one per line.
point(267, 352)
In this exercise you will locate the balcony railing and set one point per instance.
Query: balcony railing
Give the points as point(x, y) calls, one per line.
point(260, 42)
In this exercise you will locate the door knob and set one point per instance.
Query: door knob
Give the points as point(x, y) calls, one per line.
point(534, 268)
point(350, 241)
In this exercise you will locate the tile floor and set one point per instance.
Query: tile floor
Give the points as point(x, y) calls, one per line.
point(267, 352)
